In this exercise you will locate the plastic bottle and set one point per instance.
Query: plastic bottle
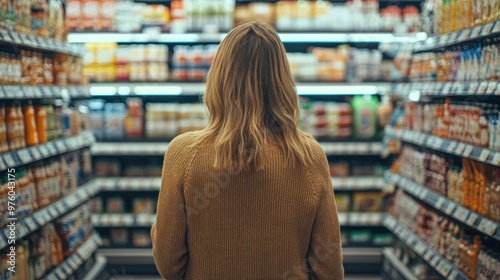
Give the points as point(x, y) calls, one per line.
point(30, 130)
point(20, 127)
point(134, 119)
point(4, 145)
point(41, 123)
point(364, 111)
point(178, 20)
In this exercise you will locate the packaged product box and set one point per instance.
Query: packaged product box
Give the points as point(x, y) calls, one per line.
point(367, 202)
point(343, 202)
point(115, 205)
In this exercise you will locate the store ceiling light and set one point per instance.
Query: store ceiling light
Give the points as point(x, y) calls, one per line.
point(102, 91)
point(337, 90)
point(158, 90)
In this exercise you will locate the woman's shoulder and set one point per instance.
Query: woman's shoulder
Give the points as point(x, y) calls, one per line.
point(182, 144)
point(314, 146)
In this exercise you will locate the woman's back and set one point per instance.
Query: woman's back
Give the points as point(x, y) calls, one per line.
point(249, 196)
point(247, 224)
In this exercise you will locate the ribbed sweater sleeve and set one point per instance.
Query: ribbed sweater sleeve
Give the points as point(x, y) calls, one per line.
point(168, 233)
point(325, 247)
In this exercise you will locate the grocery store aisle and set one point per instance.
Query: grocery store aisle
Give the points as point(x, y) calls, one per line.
point(142, 277)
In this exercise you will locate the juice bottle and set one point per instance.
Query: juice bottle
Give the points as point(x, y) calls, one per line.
point(11, 126)
point(41, 123)
point(467, 171)
point(30, 130)
point(39, 15)
point(20, 125)
point(31, 188)
point(41, 185)
point(134, 121)
point(178, 20)
point(4, 144)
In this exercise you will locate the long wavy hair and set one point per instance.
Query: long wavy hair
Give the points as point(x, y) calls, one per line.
point(251, 100)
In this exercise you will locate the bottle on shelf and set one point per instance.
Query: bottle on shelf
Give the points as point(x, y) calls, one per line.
point(30, 129)
point(178, 20)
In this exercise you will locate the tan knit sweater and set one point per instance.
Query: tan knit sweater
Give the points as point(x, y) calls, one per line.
point(278, 223)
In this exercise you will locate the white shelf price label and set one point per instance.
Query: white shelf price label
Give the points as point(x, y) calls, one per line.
point(460, 149)
point(468, 150)
point(61, 148)
point(60, 274)
point(9, 160)
point(487, 28)
point(428, 255)
point(496, 28)
point(461, 213)
point(449, 208)
point(496, 158)
point(472, 219)
point(484, 155)
point(423, 193)
point(440, 203)
point(488, 227)
point(35, 153)
point(24, 155)
point(473, 88)
point(44, 151)
point(482, 88)
point(53, 211)
point(451, 147)
point(476, 31)
point(453, 275)
point(492, 86)
point(2, 164)
point(30, 223)
point(435, 260)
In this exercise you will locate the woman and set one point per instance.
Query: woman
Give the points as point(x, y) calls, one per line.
point(249, 196)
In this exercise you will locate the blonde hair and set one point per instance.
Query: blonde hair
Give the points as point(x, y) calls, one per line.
point(251, 100)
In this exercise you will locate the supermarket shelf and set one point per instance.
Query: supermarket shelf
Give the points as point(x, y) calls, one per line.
point(53, 148)
point(71, 264)
point(413, 91)
point(360, 219)
point(447, 146)
point(129, 184)
point(123, 220)
point(357, 183)
point(98, 271)
point(47, 214)
point(286, 37)
point(394, 268)
point(196, 88)
point(42, 92)
point(446, 206)
point(135, 256)
point(39, 43)
point(159, 149)
point(154, 183)
point(147, 220)
point(442, 266)
point(488, 30)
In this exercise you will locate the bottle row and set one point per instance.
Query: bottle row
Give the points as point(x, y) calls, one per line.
point(40, 184)
point(440, 17)
point(462, 247)
point(471, 123)
point(41, 252)
point(43, 18)
point(23, 125)
point(34, 68)
point(363, 118)
point(222, 15)
point(472, 184)
point(109, 62)
point(471, 63)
